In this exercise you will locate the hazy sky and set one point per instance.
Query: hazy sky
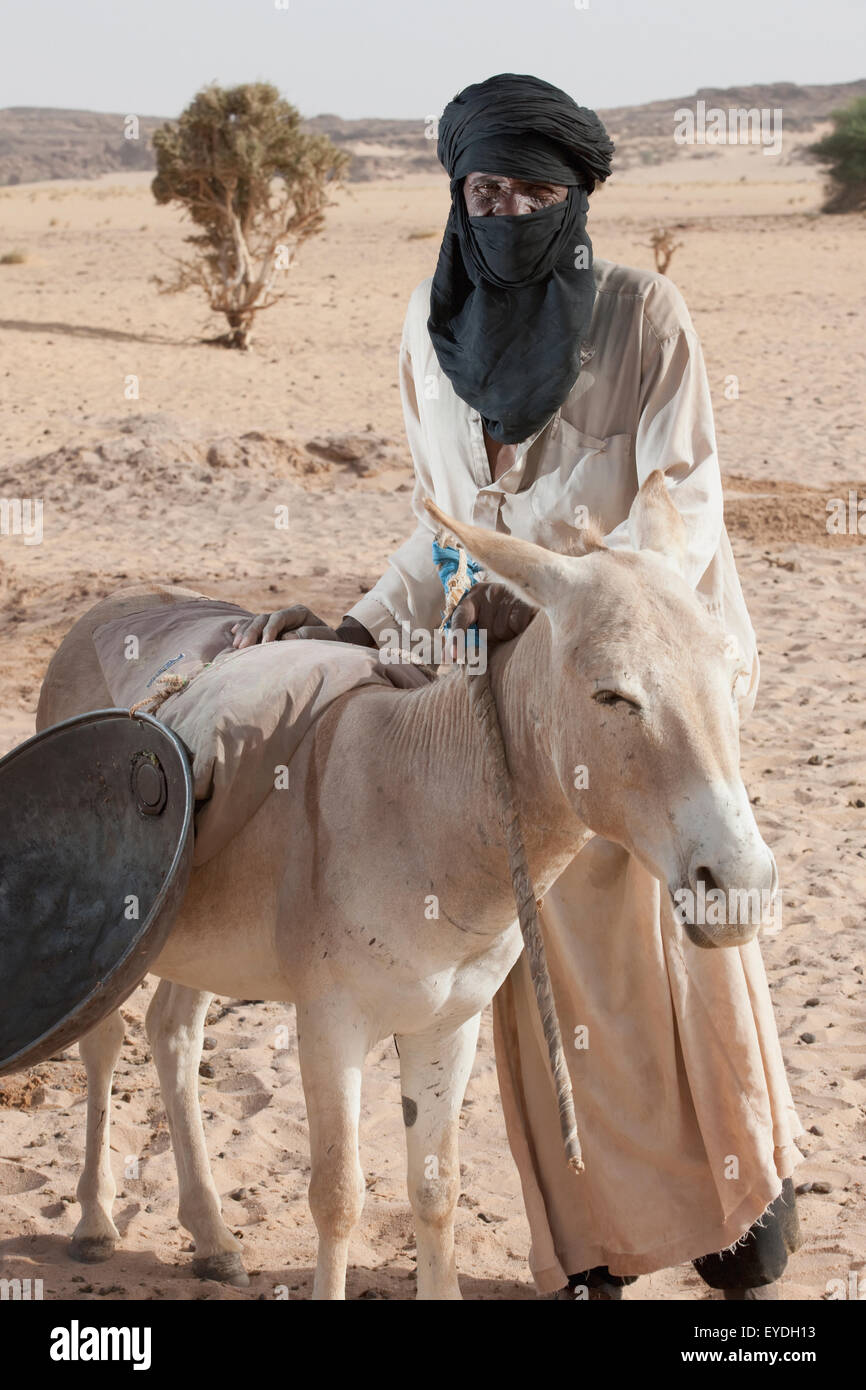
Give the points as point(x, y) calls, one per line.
point(408, 57)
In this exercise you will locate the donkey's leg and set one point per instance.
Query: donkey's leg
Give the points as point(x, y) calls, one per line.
point(434, 1070)
point(332, 1045)
point(96, 1234)
point(175, 1027)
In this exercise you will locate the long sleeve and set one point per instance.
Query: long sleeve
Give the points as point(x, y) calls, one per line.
point(410, 589)
point(675, 433)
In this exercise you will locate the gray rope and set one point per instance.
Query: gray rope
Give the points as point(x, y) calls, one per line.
point(483, 706)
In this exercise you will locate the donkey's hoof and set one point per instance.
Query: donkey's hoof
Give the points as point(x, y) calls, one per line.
point(91, 1250)
point(227, 1267)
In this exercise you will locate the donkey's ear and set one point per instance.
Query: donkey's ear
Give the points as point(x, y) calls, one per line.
point(540, 576)
point(655, 524)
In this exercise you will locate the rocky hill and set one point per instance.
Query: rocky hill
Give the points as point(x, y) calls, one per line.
point(41, 142)
point(44, 143)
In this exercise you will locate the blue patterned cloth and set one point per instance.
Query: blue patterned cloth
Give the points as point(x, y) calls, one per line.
point(446, 558)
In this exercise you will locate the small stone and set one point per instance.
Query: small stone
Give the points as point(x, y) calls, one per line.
point(209, 1044)
point(822, 1187)
point(810, 1003)
point(802, 1188)
point(225, 453)
point(816, 760)
point(816, 1129)
point(807, 1037)
point(205, 1069)
point(239, 1194)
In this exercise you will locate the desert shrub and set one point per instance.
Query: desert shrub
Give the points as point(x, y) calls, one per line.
point(844, 150)
point(663, 247)
point(254, 184)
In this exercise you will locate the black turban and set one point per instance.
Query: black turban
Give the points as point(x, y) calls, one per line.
point(512, 297)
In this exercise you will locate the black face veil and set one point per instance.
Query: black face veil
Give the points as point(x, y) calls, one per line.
point(512, 297)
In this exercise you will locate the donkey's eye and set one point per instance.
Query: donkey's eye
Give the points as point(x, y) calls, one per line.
point(613, 697)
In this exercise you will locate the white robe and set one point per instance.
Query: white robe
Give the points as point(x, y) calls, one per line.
point(685, 1114)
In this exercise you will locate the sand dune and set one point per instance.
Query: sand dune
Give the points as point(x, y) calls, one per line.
point(181, 484)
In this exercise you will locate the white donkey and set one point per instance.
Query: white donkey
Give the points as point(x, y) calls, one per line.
point(320, 899)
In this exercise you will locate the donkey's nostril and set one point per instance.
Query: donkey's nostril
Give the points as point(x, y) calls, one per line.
point(705, 877)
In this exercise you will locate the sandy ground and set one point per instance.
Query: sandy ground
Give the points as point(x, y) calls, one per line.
point(181, 483)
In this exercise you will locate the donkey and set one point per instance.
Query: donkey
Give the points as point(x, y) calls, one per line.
point(323, 897)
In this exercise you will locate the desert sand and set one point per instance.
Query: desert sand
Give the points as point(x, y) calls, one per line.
point(181, 483)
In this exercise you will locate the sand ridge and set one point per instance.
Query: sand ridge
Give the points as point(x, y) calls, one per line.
point(182, 483)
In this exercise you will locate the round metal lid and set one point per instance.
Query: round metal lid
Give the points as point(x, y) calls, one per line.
point(95, 855)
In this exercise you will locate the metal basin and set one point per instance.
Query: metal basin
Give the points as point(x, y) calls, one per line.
point(95, 854)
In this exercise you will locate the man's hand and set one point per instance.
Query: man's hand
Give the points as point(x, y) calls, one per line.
point(298, 622)
point(494, 608)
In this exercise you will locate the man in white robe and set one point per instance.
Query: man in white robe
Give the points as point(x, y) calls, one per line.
point(685, 1113)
